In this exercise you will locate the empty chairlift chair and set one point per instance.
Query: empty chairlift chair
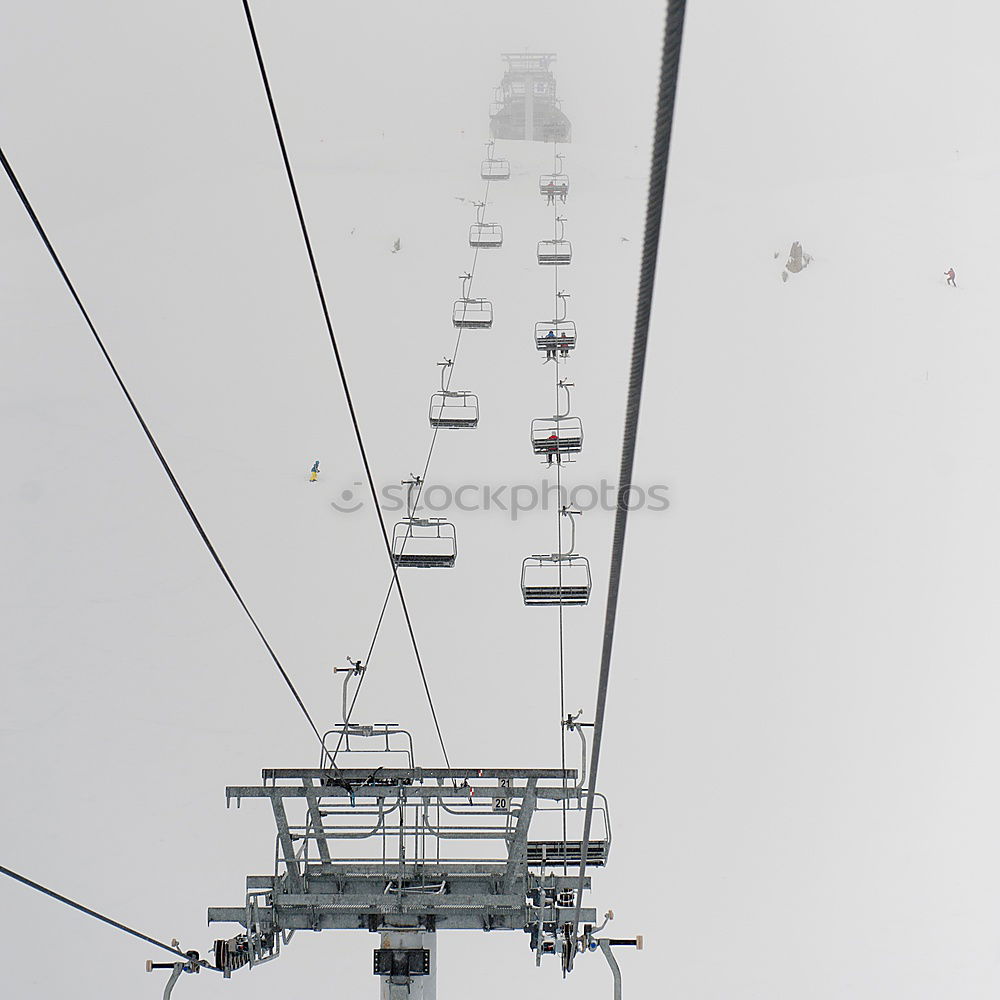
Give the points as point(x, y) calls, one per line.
point(454, 410)
point(494, 168)
point(473, 314)
point(557, 251)
point(425, 542)
point(559, 848)
point(469, 313)
point(557, 578)
point(485, 235)
point(560, 578)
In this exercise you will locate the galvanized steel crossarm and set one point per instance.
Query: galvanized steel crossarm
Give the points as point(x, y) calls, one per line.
point(417, 774)
point(431, 871)
point(413, 902)
point(328, 918)
point(395, 791)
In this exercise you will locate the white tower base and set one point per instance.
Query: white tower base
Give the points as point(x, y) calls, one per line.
point(412, 985)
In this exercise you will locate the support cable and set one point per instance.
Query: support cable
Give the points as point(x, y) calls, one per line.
point(559, 517)
point(669, 66)
point(152, 442)
point(100, 916)
point(562, 656)
point(340, 368)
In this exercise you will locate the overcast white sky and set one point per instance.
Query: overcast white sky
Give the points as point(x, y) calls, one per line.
point(802, 737)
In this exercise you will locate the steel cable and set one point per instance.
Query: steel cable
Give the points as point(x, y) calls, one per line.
point(51, 893)
point(340, 368)
point(669, 67)
point(153, 444)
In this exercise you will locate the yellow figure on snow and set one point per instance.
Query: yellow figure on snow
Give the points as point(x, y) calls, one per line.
point(314, 474)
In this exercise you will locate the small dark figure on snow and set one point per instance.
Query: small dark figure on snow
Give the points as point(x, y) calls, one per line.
point(950, 275)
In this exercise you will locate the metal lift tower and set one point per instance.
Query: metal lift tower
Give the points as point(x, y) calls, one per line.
point(525, 105)
point(405, 852)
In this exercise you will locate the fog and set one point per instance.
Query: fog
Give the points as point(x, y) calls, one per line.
point(801, 726)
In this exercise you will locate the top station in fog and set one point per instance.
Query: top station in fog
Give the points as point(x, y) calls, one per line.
point(525, 105)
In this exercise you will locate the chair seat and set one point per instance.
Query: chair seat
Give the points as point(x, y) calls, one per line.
point(567, 851)
point(455, 423)
point(556, 595)
point(564, 443)
point(423, 559)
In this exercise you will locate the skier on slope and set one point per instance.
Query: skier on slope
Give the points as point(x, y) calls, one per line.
point(314, 472)
point(950, 275)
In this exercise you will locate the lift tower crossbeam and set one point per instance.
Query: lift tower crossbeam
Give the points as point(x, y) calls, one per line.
point(406, 851)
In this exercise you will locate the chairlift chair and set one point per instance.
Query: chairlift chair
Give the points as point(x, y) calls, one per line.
point(554, 186)
point(567, 848)
point(486, 235)
point(563, 337)
point(425, 542)
point(495, 169)
point(473, 314)
point(454, 410)
point(556, 437)
point(555, 252)
point(556, 579)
